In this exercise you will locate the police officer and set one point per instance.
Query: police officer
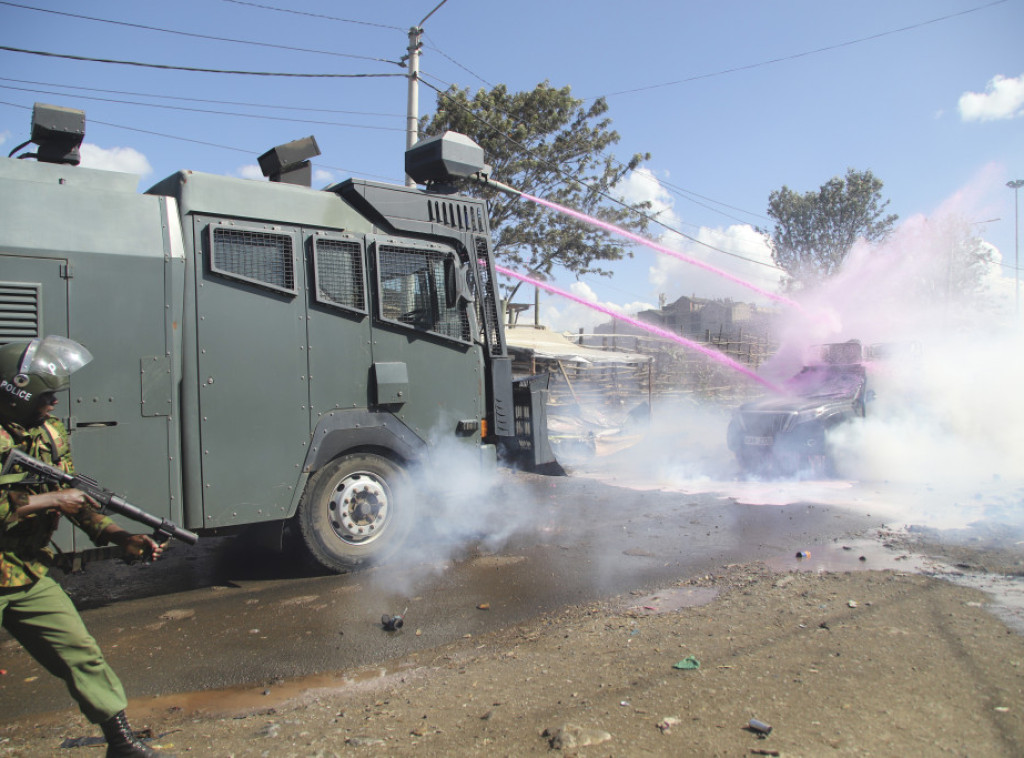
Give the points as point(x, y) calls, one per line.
point(33, 607)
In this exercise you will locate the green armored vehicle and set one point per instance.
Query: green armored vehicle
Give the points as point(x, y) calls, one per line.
point(268, 357)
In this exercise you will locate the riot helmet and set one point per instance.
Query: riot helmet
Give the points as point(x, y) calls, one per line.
point(29, 371)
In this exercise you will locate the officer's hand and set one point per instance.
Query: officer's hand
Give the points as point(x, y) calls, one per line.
point(70, 502)
point(142, 547)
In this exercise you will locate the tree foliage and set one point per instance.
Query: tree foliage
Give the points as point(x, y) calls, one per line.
point(539, 142)
point(815, 231)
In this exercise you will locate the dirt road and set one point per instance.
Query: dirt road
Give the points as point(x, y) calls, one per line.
point(675, 658)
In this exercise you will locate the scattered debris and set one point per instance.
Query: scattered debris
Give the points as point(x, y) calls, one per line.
point(760, 727)
point(484, 606)
point(363, 741)
point(393, 623)
point(689, 663)
point(803, 554)
point(570, 737)
point(666, 724)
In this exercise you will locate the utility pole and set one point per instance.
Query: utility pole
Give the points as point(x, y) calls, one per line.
point(413, 107)
point(1015, 185)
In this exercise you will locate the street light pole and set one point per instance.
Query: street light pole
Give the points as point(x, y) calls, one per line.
point(1015, 185)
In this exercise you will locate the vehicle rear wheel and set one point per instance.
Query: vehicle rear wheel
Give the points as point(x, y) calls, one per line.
point(355, 511)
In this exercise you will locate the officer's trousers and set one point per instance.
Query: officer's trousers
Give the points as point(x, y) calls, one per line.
point(44, 620)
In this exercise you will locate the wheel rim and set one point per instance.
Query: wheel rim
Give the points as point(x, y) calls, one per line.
point(359, 508)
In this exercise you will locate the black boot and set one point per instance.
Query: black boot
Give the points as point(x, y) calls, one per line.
point(122, 742)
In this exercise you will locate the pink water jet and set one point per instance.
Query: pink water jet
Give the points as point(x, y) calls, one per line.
point(659, 248)
point(712, 354)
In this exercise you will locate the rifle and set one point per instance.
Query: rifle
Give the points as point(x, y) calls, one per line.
point(162, 528)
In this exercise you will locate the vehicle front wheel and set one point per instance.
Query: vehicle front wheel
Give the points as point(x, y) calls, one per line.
point(355, 511)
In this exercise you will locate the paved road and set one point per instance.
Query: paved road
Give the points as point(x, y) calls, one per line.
point(220, 616)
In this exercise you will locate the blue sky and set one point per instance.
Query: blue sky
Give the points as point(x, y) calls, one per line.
point(733, 99)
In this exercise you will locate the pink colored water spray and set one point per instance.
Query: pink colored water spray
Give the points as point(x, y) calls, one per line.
point(712, 354)
point(660, 248)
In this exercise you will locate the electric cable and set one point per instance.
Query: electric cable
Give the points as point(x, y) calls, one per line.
point(193, 68)
point(313, 15)
point(805, 53)
point(182, 108)
point(202, 100)
point(205, 143)
point(196, 35)
point(556, 169)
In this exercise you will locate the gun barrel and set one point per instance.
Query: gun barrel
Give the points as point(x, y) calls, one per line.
point(103, 496)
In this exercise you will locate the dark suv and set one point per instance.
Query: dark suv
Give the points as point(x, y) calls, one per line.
point(786, 435)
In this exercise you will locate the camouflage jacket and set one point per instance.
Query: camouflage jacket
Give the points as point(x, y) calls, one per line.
point(25, 555)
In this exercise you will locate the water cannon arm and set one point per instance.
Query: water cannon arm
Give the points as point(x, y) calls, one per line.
point(484, 178)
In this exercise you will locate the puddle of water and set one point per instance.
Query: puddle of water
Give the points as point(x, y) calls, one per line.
point(857, 555)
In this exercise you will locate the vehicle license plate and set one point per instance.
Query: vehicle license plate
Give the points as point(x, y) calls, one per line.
point(750, 440)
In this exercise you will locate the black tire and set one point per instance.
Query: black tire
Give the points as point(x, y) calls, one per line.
point(355, 511)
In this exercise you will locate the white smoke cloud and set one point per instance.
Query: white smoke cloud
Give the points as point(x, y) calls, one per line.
point(124, 159)
point(1003, 98)
point(947, 424)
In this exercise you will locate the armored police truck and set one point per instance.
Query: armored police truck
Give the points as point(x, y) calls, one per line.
point(266, 354)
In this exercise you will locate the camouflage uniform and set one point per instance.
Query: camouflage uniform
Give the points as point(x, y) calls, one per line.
point(33, 607)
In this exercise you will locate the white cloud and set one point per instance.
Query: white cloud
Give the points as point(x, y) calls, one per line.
point(124, 159)
point(561, 314)
point(4, 136)
point(674, 277)
point(1003, 98)
point(251, 171)
point(322, 178)
point(643, 186)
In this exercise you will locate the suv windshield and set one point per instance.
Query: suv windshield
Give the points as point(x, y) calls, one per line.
point(822, 381)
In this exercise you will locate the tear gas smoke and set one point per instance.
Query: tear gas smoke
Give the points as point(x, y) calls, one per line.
point(943, 439)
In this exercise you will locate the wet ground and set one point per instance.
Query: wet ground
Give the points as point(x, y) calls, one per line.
point(222, 623)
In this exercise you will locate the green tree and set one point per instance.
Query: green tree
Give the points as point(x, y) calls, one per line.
point(546, 143)
point(815, 231)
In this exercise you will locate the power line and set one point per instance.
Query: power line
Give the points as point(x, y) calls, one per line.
point(179, 138)
point(193, 68)
point(806, 53)
point(605, 195)
point(201, 100)
point(195, 35)
point(210, 112)
point(313, 15)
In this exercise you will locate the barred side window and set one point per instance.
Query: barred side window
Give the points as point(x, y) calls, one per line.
point(412, 292)
point(338, 270)
point(257, 257)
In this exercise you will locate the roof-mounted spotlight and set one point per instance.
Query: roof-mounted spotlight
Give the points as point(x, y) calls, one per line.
point(439, 161)
point(59, 133)
point(289, 163)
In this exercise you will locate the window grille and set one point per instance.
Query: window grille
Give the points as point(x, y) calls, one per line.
point(338, 268)
point(258, 257)
point(412, 292)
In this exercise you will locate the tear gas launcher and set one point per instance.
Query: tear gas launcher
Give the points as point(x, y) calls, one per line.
point(162, 528)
